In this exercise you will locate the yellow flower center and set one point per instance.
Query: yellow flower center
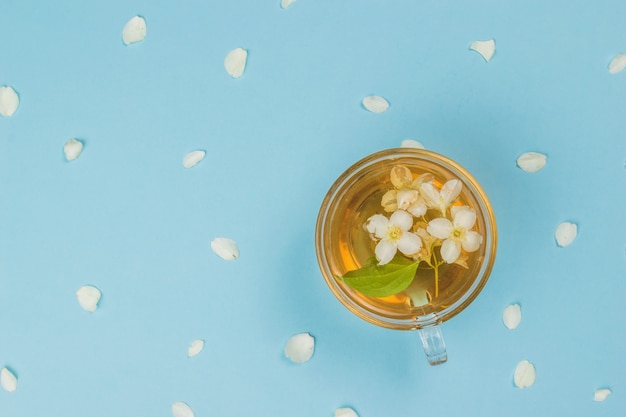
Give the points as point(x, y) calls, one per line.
point(394, 233)
point(458, 234)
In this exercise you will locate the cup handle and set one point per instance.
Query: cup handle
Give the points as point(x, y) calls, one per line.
point(434, 345)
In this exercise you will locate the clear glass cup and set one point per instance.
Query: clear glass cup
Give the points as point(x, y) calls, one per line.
point(342, 244)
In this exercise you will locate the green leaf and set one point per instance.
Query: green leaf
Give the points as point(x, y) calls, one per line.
point(382, 280)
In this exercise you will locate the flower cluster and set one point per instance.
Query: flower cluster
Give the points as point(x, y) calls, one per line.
point(423, 217)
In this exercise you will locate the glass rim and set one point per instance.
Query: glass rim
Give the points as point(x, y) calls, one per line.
point(416, 322)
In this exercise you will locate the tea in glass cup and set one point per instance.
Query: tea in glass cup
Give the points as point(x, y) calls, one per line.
point(406, 239)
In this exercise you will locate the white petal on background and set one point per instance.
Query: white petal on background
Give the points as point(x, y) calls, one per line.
point(72, 149)
point(225, 248)
point(135, 30)
point(345, 412)
point(300, 347)
point(565, 233)
point(375, 104)
point(192, 158)
point(484, 48)
point(180, 409)
point(511, 316)
point(618, 63)
point(235, 62)
point(411, 143)
point(195, 347)
point(8, 380)
point(531, 161)
point(600, 394)
point(88, 297)
point(286, 3)
point(9, 101)
point(524, 375)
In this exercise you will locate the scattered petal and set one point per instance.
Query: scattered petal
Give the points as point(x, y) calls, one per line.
point(300, 347)
point(600, 394)
point(410, 143)
point(235, 62)
point(511, 316)
point(524, 376)
point(225, 248)
point(375, 104)
point(135, 30)
point(192, 158)
point(8, 380)
point(565, 233)
point(618, 63)
point(180, 409)
point(72, 149)
point(9, 101)
point(195, 347)
point(531, 161)
point(485, 48)
point(88, 297)
point(286, 3)
point(345, 412)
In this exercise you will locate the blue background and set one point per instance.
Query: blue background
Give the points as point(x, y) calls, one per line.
point(127, 218)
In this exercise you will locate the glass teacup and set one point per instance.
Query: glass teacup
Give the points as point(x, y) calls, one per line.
point(406, 239)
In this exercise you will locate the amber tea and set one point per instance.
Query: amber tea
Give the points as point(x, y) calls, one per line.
point(406, 235)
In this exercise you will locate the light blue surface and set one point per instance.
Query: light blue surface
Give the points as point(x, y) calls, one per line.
point(129, 219)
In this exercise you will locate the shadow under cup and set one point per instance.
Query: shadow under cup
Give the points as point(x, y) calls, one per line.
point(342, 245)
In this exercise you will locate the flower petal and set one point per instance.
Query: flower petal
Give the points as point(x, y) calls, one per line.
point(440, 228)
point(418, 208)
point(524, 375)
point(565, 233)
point(512, 316)
point(485, 48)
point(409, 243)
point(377, 225)
point(235, 62)
point(531, 161)
point(72, 149)
point(430, 194)
point(375, 104)
point(385, 251)
point(180, 409)
point(195, 347)
point(464, 217)
point(450, 250)
point(134, 31)
point(286, 3)
point(472, 241)
point(402, 219)
point(401, 176)
point(450, 191)
point(406, 197)
point(9, 101)
point(600, 395)
point(225, 248)
point(300, 347)
point(411, 143)
point(345, 412)
point(618, 63)
point(88, 297)
point(390, 201)
point(193, 158)
point(8, 380)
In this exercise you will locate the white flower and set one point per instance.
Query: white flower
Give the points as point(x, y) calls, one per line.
point(441, 200)
point(394, 235)
point(456, 233)
point(405, 195)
